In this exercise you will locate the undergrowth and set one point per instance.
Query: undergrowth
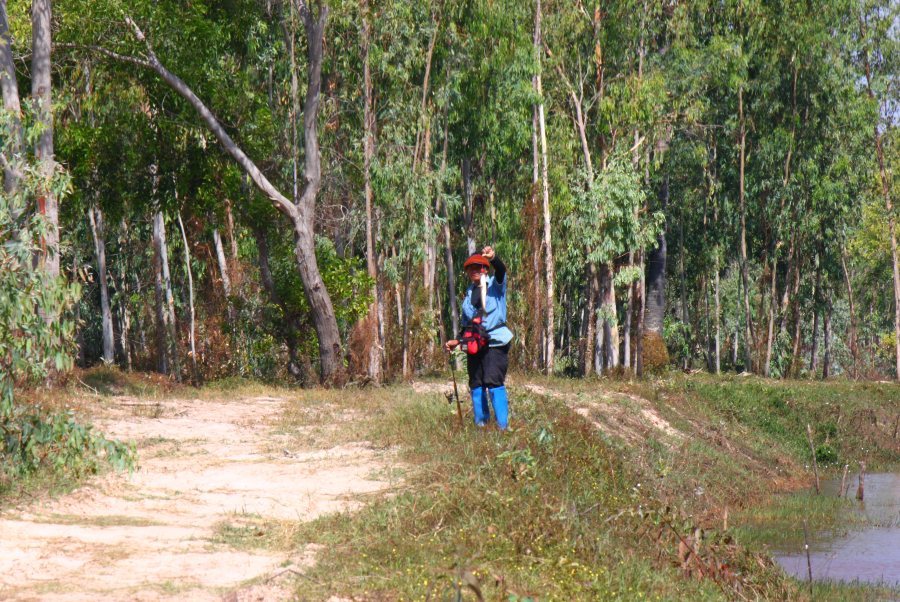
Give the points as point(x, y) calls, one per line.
point(54, 448)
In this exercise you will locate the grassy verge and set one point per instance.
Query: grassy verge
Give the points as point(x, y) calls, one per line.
point(551, 510)
point(558, 509)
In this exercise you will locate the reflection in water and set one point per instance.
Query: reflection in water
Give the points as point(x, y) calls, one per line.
point(870, 555)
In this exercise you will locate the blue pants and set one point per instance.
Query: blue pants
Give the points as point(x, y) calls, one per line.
point(497, 398)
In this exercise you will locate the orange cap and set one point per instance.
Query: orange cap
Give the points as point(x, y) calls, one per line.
point(476, 259)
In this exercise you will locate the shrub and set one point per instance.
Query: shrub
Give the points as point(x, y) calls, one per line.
point(655, 353)
point(36, 338)
point(825, 454)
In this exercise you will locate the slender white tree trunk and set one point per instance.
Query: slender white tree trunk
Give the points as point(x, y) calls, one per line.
point(223, 263)
point(109, 345)
point(549, 272)
point(170, 331)
point(375, 366)
point(750, 342)
point(187, 269)
point(301, 211)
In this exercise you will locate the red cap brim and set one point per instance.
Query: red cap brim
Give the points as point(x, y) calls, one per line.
point(474, 260)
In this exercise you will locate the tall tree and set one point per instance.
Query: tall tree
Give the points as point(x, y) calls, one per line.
point(301, 211)
point(549, 271)
point(41, 93)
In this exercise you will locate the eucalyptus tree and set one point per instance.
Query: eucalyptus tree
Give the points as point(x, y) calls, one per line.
point(609, 221)
point(299, 209)
point(878, 50)
point(42, 110)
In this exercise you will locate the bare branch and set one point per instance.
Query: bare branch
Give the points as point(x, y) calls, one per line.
point(278, 199)
point(109, 53)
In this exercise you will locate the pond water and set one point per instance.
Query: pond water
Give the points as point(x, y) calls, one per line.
point(871, 554)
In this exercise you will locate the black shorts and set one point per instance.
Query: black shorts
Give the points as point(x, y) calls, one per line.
point(488, 368)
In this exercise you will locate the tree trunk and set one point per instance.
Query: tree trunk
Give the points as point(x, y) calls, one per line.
point(11, 103)
point(851, 335)
point(718, 320)
point(405, 323)
point(549, 271)
point(773, 302)
point(229, 223)
point(826, 361)
point(302, 213)
point(745, 268)
point(817, 294)
point(170, 297)
point(162, 316)
point(441, 208)
point(122, 299)
point(685, 318)
point(642, 311)
point(795, 316)
point(737, 322)
point(469, 209)
point(187, 268)
point(656, 273)
point(330, 356)
point(608, 310)
point(591, 320)
point(79, 327)
point(538, 321)
point(41, 87)
point(375, 368)
point(451, 274)
point(223, 263)
point(109, 343)
point(599, 329)
point(626, 329)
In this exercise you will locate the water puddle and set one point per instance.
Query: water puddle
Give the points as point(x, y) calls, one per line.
point(868, 555)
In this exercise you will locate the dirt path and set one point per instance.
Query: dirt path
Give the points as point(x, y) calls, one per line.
point(156, 534)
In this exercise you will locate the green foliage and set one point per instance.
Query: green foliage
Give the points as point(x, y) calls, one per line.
point(826, 454)
point(59, 443)
point(677, 336)
point(609, 218)
point(37, 340)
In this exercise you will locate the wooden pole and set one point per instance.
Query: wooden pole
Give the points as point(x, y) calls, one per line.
point(843, 480)
point(812, 449)
point(808, 559)
point(861, 488)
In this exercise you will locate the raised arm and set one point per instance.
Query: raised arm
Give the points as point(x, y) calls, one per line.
point(499, 269)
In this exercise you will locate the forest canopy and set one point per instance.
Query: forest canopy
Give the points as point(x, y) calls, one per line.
point(287, 189)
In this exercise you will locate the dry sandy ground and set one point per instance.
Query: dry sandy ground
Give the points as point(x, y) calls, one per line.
point(152, 535)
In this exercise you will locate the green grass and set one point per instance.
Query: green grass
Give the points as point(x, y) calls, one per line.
point(778, 521)
point(557, 510)
point(550, 510)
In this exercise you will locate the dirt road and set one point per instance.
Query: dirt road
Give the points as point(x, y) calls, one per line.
point(204, 466)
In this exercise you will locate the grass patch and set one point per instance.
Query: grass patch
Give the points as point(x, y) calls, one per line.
point(253, 532)
point(549, 510)
point(105, 520)
point(779, 521)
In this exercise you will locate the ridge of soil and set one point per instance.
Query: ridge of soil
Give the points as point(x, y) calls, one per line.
point(153, 534)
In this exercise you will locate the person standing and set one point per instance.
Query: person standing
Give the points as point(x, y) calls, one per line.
point(485, 337)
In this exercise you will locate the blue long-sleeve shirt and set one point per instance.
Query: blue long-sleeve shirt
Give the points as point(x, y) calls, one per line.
point(494, 315)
